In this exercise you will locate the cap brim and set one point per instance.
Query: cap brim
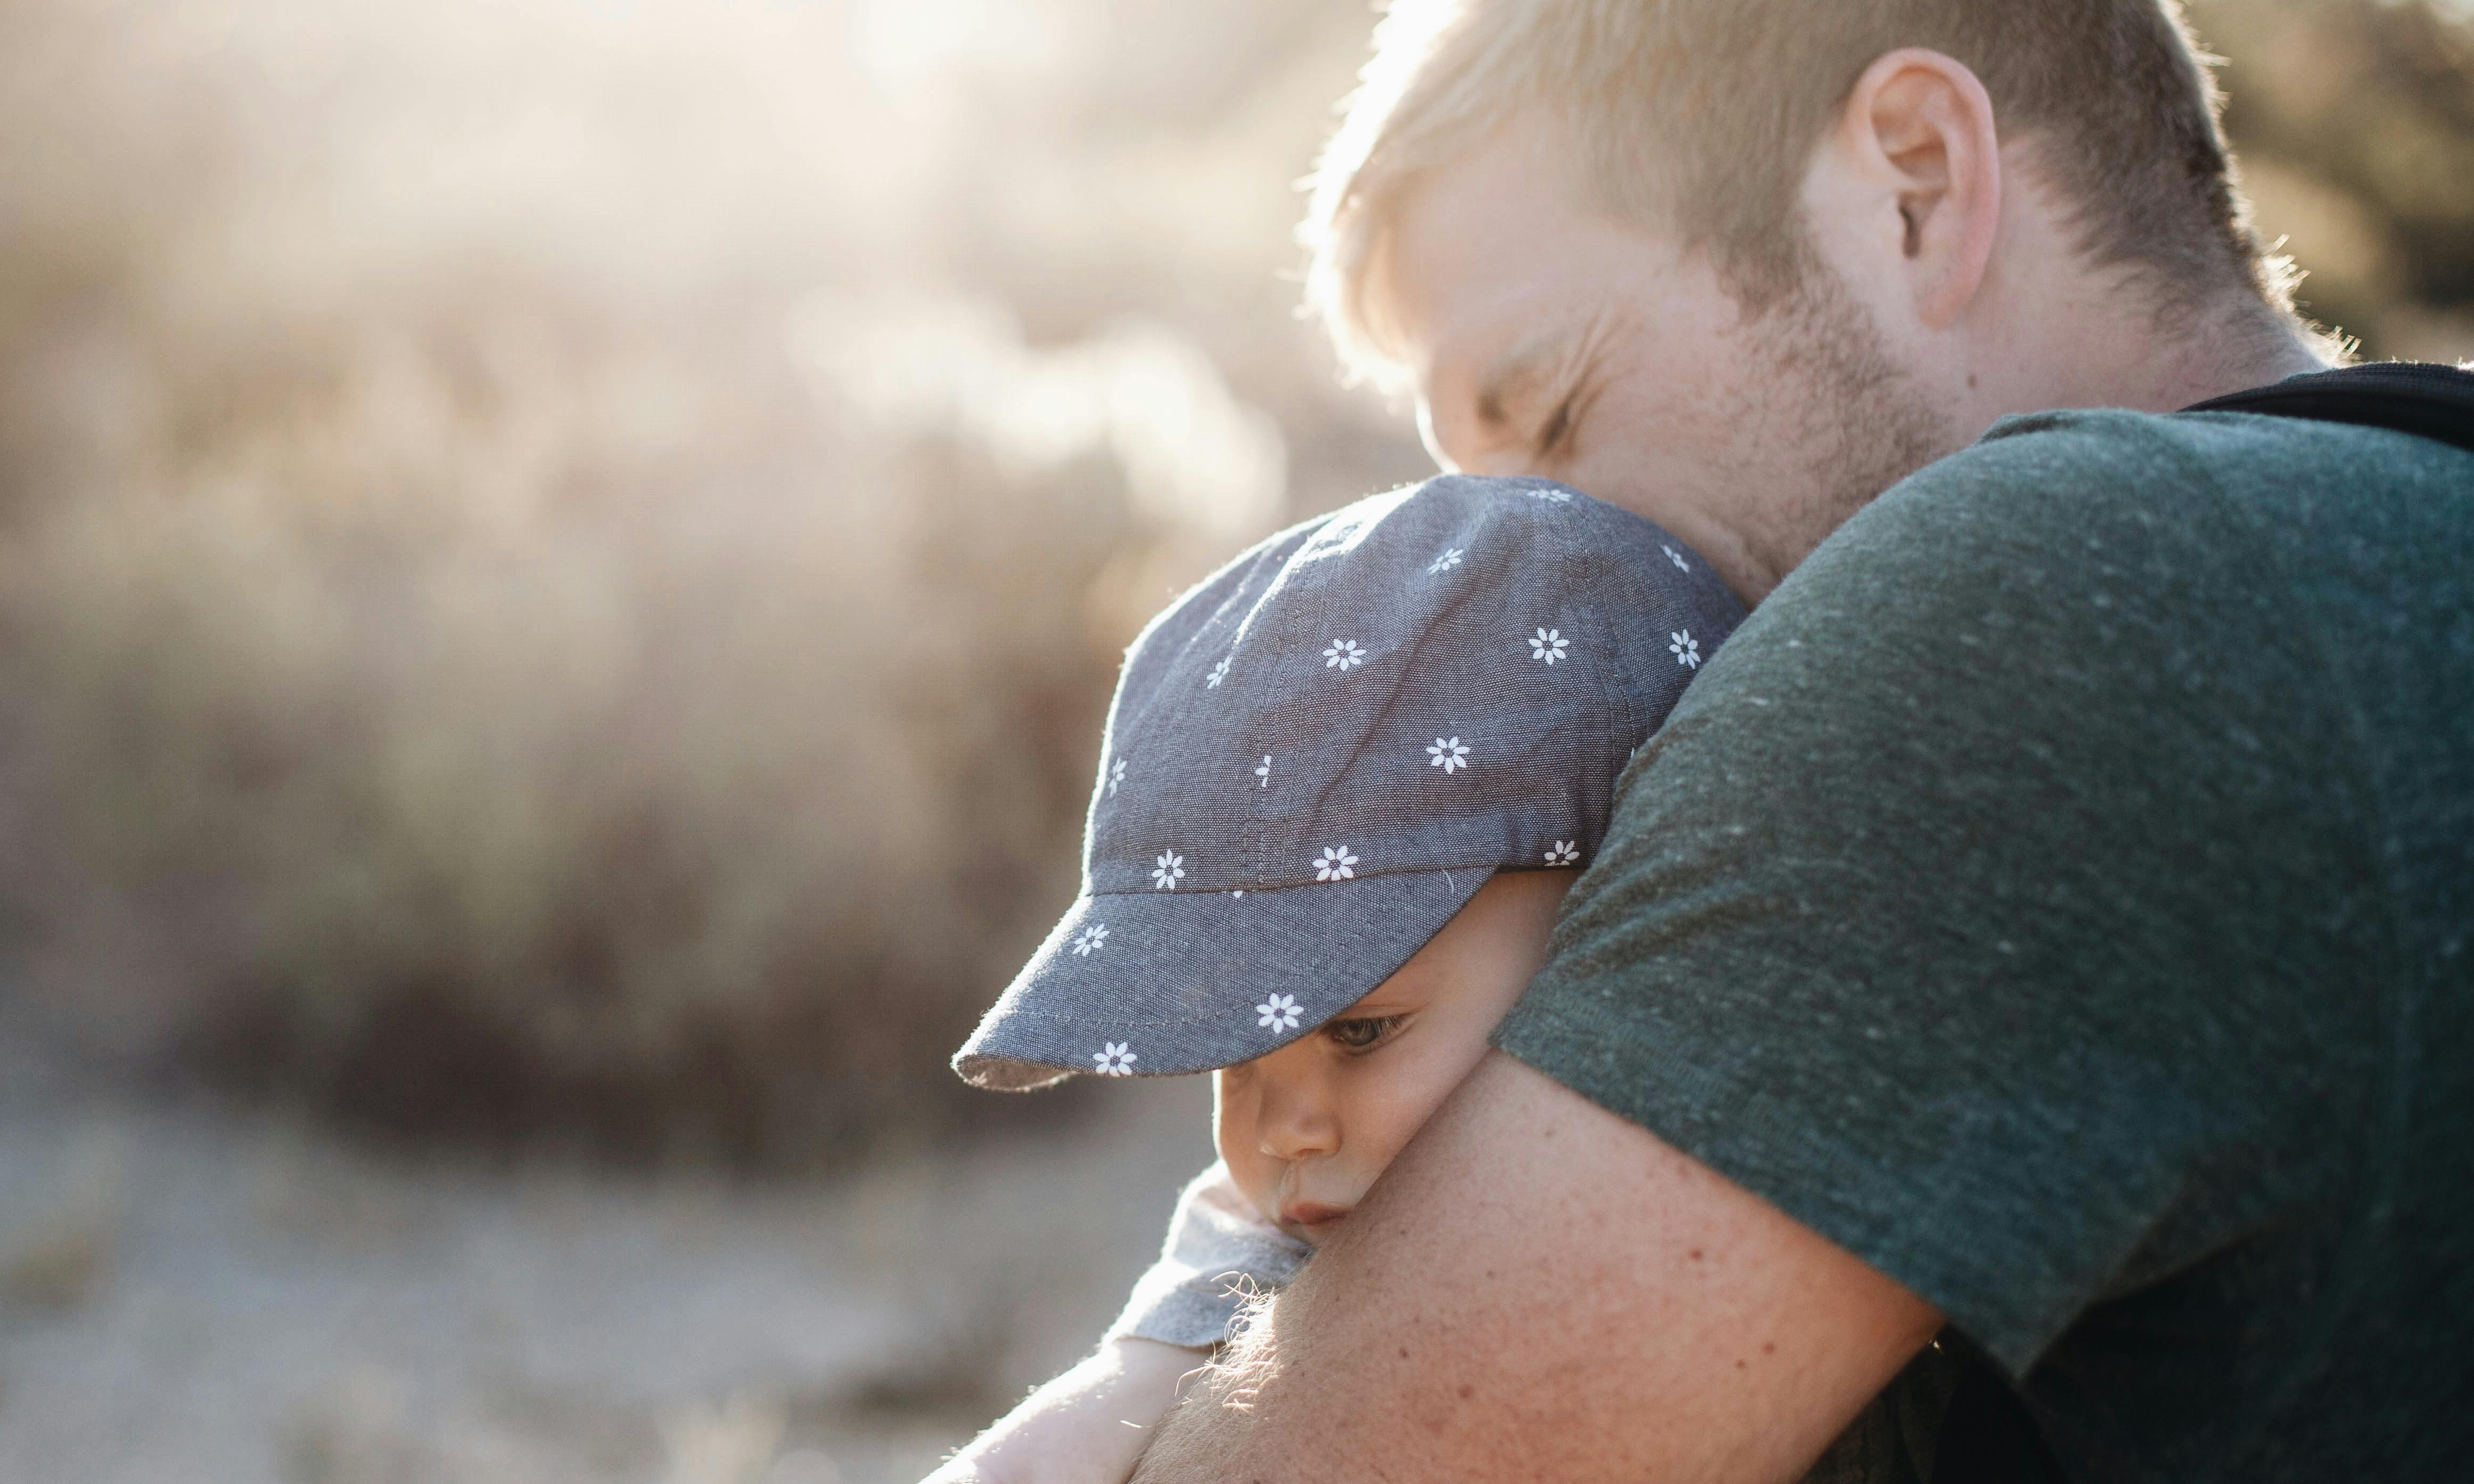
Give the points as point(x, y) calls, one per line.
point(1183, 981)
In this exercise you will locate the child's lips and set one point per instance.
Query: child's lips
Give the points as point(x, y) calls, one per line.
point(1312, 1213)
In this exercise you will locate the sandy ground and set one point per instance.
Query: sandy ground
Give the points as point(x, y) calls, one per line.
point(190, 1295)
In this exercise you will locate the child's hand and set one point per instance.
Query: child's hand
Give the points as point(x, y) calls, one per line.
point(1088, 1427)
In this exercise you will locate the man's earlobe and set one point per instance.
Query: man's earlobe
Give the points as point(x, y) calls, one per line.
point(1921, 124)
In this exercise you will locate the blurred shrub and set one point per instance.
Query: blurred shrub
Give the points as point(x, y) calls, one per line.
point(2355, 119)
point(550, 615)
point(560, 564)
point(534, 735)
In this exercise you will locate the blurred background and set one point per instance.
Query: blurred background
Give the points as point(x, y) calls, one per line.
point(560, 564)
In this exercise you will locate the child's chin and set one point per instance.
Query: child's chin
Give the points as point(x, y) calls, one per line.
point(1314, 1234)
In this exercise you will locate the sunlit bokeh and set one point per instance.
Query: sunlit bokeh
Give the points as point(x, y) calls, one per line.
point(560, 564)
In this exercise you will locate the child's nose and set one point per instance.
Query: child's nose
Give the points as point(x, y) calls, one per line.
point(1297, 1123)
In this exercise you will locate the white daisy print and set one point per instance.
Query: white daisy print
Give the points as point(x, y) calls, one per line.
point(1549, 644)
point(1566, 852)
point(1280, 1012)
point(1218, 673)
point(1448, 560)
point(1686, 648)
point(1167, 872)
point(1447, 754)
point(1344, 655)
point(1116, 776)
point(1263, 771)
point(1114, 1059)
point(1335, 864)
point(1673, 556)
point(1092, 940)
point(1559, 496)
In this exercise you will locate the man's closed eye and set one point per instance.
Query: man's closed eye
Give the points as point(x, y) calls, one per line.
point(1557, 430)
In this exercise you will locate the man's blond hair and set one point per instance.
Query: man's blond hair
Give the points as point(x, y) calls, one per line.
point(1700, 116)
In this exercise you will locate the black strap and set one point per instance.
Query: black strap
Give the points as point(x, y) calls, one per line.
point(2410, 396)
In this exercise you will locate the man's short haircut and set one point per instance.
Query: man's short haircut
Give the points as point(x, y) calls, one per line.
point(1700, 116)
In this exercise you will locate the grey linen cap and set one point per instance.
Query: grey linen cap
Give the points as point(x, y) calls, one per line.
point(1321, 752)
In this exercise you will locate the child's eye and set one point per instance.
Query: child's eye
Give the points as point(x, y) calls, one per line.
point(1362, 1033)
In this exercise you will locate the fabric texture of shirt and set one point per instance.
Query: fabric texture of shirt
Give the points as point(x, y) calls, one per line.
point(2058, 895)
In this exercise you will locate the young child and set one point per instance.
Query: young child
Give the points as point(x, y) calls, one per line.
point(1345, 783)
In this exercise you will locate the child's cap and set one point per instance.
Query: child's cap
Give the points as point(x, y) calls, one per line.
point(1320, 754)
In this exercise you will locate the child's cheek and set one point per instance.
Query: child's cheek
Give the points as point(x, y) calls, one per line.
point(1232, 1130)
point(1397, 1097)
point(1387, 1116)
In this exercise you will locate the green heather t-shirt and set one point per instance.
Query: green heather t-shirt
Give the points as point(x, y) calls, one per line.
point(2060, 895)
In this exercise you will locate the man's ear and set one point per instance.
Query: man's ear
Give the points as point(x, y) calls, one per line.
point(1919, 137)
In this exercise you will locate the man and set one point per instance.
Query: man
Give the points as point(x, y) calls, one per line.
point(2049, 916)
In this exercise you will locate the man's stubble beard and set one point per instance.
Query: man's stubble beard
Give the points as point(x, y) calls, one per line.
point(1826, 382)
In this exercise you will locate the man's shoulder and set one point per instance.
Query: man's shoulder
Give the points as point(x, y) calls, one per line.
point(2204, 516)
point(2059, 517)
point(2057, 469)
point(2049, 486)
point(2198, 592)
point(2227, 446)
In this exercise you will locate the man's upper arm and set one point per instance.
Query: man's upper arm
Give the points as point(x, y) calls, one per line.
point(1538, 1289)
point(1997, 903)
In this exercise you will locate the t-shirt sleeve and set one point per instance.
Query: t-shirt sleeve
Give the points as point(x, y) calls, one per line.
point(1986, 904)
point(1219, 1255)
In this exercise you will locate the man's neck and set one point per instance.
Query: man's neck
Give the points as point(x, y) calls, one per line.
point(2110, 350)
point(2129, 355)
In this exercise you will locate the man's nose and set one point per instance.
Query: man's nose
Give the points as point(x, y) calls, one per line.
point(1297, 1121)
